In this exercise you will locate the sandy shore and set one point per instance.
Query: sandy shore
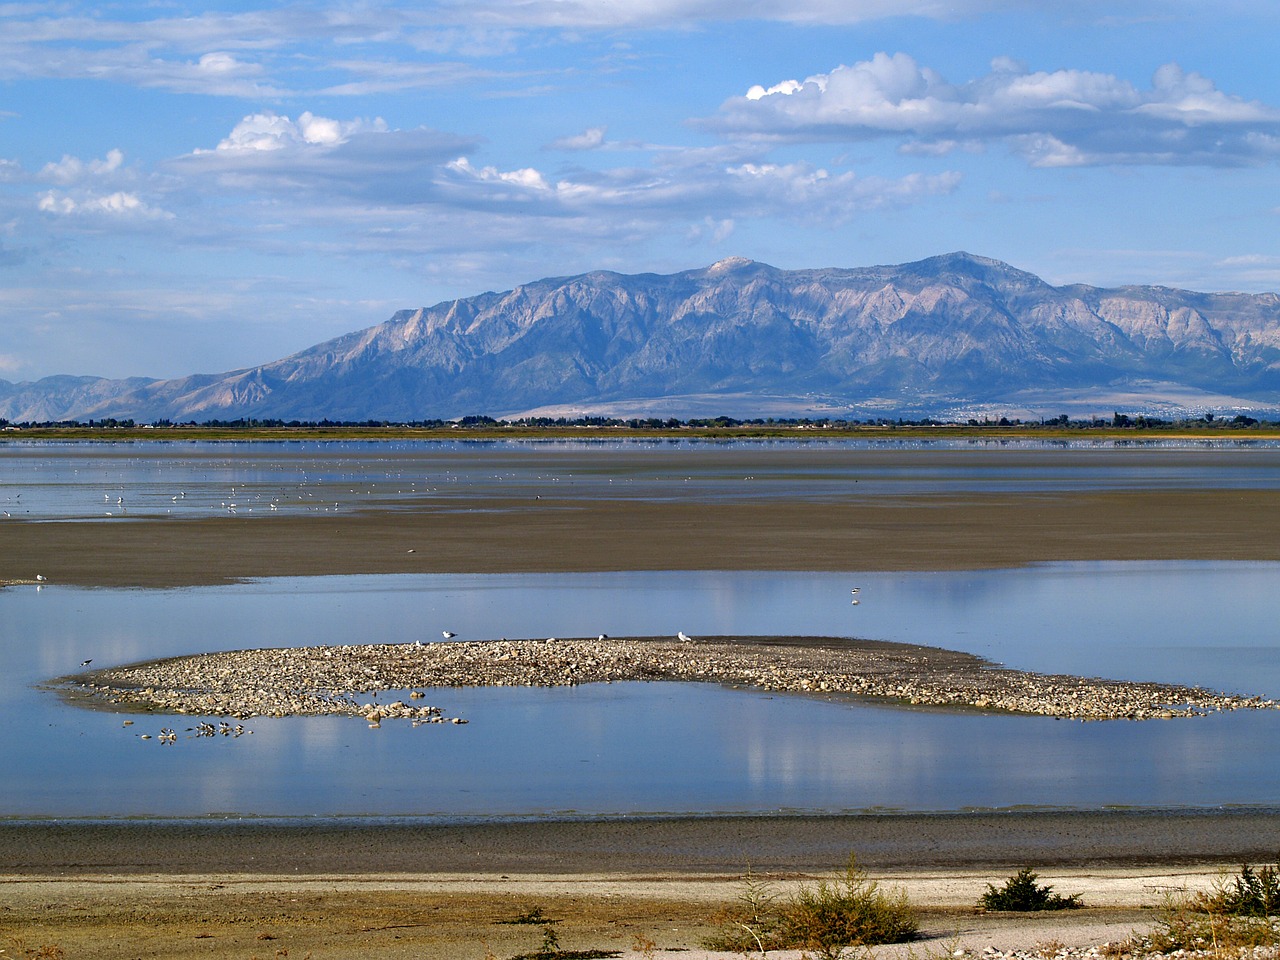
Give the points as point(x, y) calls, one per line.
point(468, 916)
point(236, 889)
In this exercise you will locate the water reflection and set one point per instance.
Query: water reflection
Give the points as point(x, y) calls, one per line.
point(261, 479)
point(650, 748)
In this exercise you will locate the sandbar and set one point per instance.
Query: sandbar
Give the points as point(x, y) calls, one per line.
point(486, 535)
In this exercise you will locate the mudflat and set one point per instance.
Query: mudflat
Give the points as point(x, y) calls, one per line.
point(745, 506)
point(489, 535)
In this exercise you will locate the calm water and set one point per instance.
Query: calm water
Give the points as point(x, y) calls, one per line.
point(636, 748)
point(655, 748)
point(111, 481)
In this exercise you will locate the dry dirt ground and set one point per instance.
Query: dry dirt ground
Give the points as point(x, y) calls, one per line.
point(245, 889)
point(459, 917)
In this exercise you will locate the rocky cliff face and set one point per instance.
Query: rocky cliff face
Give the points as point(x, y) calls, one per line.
point(932, 335)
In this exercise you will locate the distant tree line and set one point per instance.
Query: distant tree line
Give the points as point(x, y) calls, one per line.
point(1117, 421)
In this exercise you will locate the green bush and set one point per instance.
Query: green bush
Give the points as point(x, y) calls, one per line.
point(1021, 893)
point(826, 919)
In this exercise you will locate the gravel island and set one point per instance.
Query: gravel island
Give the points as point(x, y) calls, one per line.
point(347, 679)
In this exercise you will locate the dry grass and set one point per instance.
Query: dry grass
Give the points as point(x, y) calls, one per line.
point(827, 920)
point(1242, 912)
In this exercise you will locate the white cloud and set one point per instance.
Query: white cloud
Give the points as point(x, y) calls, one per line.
point(306, 49)
point(1058, 118)
point(786, 87)
point(590, 139)
point(694, 191)
point(275, 52)
point(806, 191)
point(526, 178)
point(271, 131)
point(72, 170)
point(272, 155)
point(118, 204)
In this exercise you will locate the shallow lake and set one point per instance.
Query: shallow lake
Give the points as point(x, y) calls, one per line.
point(195, 480)
point(636, 748)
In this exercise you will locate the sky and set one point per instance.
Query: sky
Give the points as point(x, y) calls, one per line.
point(199, 187)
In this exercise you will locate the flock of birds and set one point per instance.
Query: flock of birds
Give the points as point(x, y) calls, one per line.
point(681, 635)
point(168, 735)
point(450, 634)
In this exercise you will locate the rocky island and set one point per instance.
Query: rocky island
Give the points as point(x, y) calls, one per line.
point(348, 679)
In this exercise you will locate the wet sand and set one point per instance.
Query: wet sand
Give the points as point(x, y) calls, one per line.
point(486, 535)
point(662, 846)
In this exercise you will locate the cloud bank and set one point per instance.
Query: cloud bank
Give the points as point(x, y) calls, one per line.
point(1062, 118)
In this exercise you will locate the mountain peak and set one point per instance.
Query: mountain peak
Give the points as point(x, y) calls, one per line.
point(952, 329)
point(729, 265)
point(964, 264)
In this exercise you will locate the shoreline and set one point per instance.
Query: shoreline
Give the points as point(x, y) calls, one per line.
point(645, 889)
point(669, 846)
point(470, 917)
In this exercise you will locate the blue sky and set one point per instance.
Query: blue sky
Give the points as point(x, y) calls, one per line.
point(199, 187)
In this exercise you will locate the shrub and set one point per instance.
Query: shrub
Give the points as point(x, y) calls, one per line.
point(1021, 893)
point(1238, 913)
point(533, 916)
point(1251, 894)
point(851, 911)
point(752, 923)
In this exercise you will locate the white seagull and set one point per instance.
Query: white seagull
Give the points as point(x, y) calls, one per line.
point(448, 634)
point(682, 638)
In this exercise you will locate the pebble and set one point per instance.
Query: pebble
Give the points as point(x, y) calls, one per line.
point(1125, 951)
point(299, 681)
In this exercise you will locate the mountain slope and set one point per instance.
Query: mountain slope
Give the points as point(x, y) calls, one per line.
point(944, 331)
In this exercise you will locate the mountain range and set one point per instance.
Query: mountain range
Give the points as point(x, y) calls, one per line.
point(948, 336)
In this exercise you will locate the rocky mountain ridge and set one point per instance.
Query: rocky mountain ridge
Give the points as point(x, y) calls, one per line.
point(941, 335)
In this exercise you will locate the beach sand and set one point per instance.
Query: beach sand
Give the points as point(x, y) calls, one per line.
point(460, 917)
point(108, 890)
